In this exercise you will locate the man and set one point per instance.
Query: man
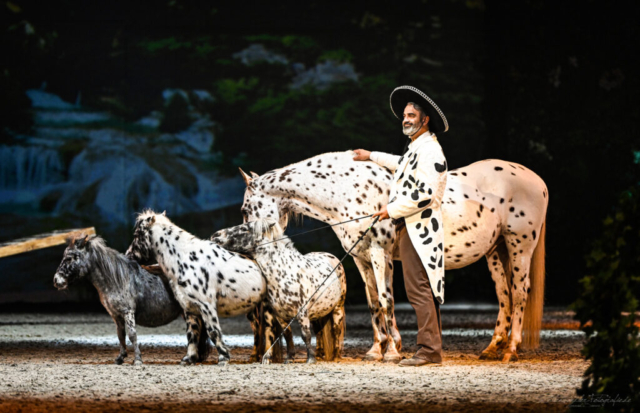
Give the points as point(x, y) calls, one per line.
point(417, 188)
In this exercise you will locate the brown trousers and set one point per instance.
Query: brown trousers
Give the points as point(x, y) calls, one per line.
point(419, 293)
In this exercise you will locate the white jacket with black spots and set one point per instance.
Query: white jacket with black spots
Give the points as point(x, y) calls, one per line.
point(417, 188)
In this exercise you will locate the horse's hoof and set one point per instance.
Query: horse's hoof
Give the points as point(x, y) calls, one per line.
point(372, 357)
point(119, 361)
point(253, 359)
point(266, 361)
point(186, 361)
point(288, 361)
point(488, 355)
point(392, 358)
point(137, 362)
point(223, 362)
point(510, 357)
point(311, 360)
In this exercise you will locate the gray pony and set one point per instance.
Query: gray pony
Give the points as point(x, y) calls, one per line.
point(130, 293)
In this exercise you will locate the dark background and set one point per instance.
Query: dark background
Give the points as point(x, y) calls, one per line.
point(111, 107)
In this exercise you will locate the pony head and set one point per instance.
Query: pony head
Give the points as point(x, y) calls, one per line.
point(245, 238)
point(75, 261)
point(140, 249)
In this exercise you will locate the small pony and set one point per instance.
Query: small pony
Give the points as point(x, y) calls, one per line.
point(128, 292)
point(206, 279)
point(292, 278)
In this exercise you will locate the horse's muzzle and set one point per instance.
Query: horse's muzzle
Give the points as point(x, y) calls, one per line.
point(59, 282)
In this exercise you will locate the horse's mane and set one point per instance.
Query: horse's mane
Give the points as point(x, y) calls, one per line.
point(269, 228)
point(114, 266)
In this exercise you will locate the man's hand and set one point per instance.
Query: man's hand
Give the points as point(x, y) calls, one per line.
point(383, 214)
point(361, 155)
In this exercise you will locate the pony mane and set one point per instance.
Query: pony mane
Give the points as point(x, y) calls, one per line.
point(150, 213)
point(113, 265)
point(269, 228)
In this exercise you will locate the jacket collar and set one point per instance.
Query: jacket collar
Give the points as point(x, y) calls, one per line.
point(428, 136)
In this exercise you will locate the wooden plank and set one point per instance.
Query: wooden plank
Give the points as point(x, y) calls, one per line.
point(35, 242)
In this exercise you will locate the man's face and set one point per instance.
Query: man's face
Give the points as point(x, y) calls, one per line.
point(411, 123)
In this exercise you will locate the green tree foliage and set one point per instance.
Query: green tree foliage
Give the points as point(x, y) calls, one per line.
point(609, 305)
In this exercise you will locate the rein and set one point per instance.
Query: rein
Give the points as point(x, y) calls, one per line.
point(324, 281)
point(318, 229)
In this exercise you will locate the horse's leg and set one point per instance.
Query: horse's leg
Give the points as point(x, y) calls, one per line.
point(319, 332)
point(305, 323)
point(379, 333)
point(123, 341)
point(391, 301)
point(194, 329)
point(337, 316)
point(380, 269)
point(498, 261)
point(291, 348)
point(210, 317)
point(130, 321)
point(269, 319)
point(252, 316)
point(520, 255)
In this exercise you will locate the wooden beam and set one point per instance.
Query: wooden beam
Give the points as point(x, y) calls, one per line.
point(41, 241)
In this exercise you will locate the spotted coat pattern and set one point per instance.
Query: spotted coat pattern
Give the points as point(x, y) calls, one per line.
point(491, 208)
point(292, 279)
point(205, 278)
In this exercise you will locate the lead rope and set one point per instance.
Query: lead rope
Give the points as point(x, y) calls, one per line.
point(317, 229)
point(325, 280)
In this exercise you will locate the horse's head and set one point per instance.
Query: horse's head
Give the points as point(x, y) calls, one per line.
point(75, 261)
point(260, 201)
point(245, 238)
point(140, 249)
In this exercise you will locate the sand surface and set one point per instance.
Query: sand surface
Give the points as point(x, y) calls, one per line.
point(65, 362)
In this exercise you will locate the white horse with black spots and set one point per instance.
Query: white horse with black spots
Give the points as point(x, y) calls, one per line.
point(293, 280)
point(491, 208)
point(206, 279)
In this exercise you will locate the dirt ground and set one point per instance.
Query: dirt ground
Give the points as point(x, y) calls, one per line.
point(64, 362)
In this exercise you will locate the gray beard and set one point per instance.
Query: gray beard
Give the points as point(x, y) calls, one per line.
point(411, 130)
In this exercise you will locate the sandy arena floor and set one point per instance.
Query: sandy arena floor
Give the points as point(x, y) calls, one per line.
point(65, 362)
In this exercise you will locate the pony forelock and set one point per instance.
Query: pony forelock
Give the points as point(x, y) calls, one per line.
point(268, 228)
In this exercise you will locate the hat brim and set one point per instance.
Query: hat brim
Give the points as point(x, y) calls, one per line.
point(405, 94)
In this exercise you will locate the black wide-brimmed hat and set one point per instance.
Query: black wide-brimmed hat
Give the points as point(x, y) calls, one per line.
point(405, 94)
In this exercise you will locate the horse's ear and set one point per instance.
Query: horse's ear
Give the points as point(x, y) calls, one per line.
point(81, 241)
point(254, 175)
point(153, 220)
point(69, 240)
point(164, 213)
point(247, 178)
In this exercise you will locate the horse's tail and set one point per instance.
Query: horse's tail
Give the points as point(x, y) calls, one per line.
point(326, 335)
point(535, 302)
point(204, 344)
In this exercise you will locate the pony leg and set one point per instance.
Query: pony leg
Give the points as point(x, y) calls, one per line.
point(379, 333)
point(268, 335)
point(380, 266)
point(254, 320)
point(291, 348)
point(303, 319)
point(319, 332)
point(123, 341)
point(339, 326)
point(130, 321)
point(520, 264)
point(498, 262)
point(194, 329)
point(210, 318)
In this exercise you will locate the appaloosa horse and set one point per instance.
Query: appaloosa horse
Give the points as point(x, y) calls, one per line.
point(293, 279)
point(491, 208)
point(129, 293)
point(206, 279)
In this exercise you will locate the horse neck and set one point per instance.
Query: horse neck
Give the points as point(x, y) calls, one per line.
point(178, 239)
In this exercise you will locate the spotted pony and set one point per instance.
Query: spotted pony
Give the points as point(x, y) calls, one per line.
point(491, 208)
point(206, 279)
point(292, 280)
